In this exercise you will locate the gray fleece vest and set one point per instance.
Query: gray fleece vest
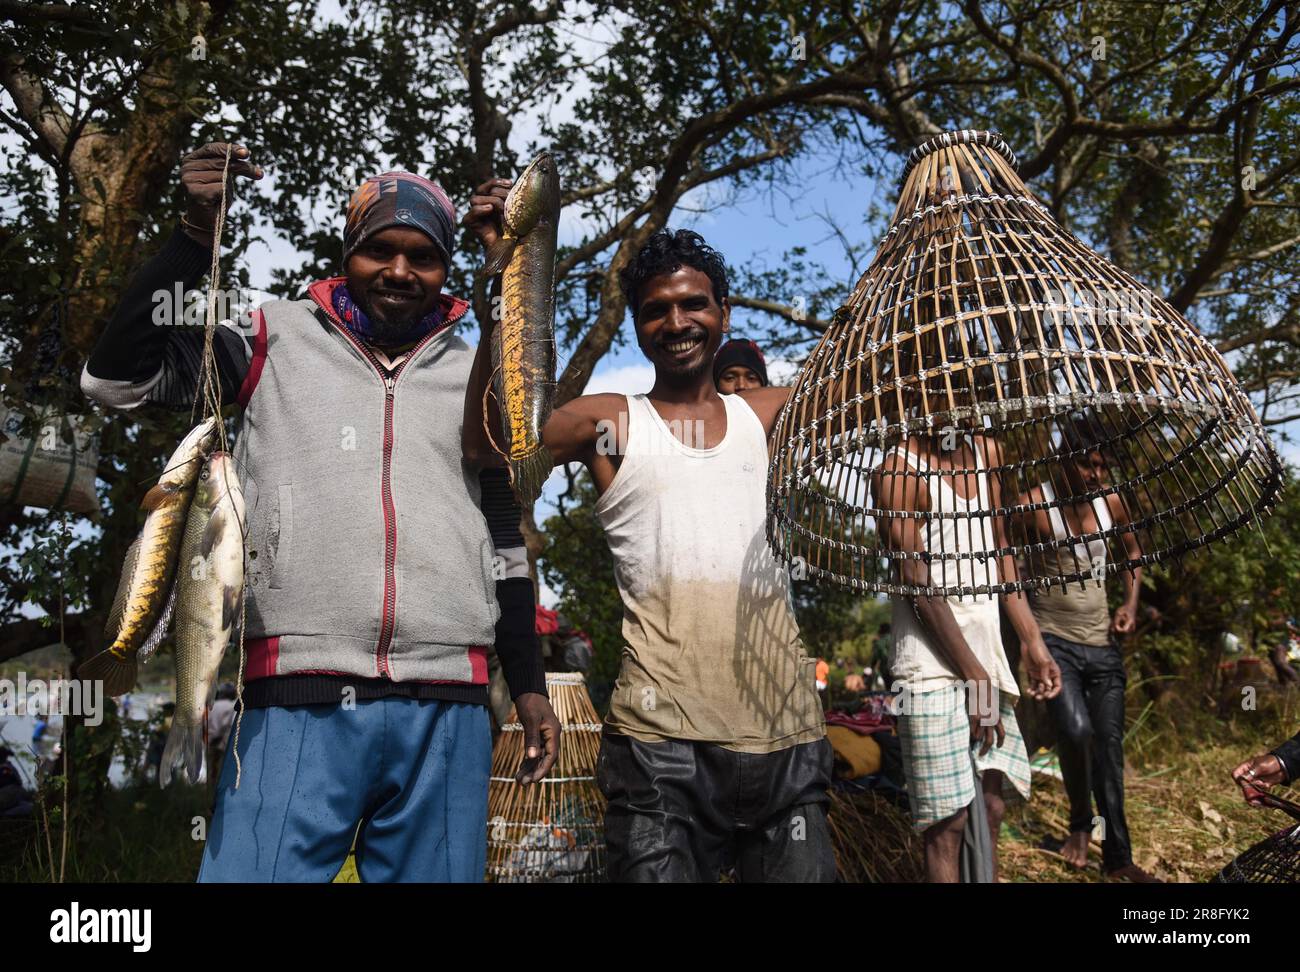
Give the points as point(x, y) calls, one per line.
point(369, 554)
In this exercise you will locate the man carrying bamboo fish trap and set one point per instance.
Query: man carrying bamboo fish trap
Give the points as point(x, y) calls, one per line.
point(714, 748)
point(374, 583)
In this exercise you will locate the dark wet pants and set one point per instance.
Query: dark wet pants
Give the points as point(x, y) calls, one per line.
point(1089, 715)
point(678, 810)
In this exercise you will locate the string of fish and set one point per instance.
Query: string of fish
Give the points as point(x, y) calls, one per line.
point(209, 391)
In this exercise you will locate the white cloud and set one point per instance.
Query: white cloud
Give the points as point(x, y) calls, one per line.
point(623, 379)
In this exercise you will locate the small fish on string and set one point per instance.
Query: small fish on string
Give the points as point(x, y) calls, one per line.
point(138, 618)
point(209, 595)
point(196, 523)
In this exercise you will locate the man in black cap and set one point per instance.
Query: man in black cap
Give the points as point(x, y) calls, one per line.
point(738, 366)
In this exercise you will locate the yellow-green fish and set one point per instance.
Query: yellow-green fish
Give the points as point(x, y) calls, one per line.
point(137, 621)
point(209, 588)
point(523, 344)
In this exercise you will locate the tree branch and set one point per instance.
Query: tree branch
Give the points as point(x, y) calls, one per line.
point(814, 324)
point(37, 107)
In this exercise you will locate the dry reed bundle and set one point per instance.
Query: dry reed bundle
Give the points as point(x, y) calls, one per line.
point(873, 839)
point(552, 831)
point(982, 324)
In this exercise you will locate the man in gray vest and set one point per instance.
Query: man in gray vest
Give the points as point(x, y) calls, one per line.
point(1082, 636)
point(381, 566)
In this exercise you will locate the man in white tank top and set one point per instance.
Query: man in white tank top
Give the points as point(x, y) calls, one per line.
point(714, 747)
point(1082, 636)
point(956, 723)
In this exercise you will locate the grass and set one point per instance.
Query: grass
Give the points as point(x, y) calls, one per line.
point(138, 833)
point(1186, 817)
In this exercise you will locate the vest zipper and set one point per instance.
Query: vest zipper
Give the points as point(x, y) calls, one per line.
point(388, 622)
point(390, 532)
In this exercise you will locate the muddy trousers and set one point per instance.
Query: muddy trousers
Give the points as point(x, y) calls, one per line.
point(1089, 715)
point(679, 810)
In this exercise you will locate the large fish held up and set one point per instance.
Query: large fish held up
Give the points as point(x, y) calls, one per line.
point(209, 591)
point(523, 343)
point(139, 615)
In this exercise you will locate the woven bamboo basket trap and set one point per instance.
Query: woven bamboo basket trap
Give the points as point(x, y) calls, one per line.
point(553, 830)
point(1274, 860)
point(1002, 353)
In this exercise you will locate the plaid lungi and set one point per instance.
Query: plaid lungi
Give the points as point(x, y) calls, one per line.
point(935, 735)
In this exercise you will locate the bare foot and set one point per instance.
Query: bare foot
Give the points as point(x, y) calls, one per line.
point(1075, 850)
point(1133, 874)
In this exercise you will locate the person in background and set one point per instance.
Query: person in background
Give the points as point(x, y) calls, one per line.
point(881, 648)
point(956, 722)
point(823, 674)
point(1082, 635)
point(739, 366)
point(15, 801)
point(158, 742)
point(39, 728)
point(1260, 773)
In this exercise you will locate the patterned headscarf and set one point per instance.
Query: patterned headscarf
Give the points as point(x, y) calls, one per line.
point(400, 199)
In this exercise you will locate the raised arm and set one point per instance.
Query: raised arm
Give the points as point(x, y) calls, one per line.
point(767, 403)
point(483, 219)
point(591, 430)
point(146, 353)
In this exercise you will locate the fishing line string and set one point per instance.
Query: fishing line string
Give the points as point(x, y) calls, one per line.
point(209, 389)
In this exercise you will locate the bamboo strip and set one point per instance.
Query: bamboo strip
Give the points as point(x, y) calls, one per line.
point(551, 831)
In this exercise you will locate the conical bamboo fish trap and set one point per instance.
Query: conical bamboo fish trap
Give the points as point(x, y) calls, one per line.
point(552, 831)
point(981, 320)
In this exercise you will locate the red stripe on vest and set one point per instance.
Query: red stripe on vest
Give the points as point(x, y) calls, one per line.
point(263, 658)
point(478, 664)
point(259, 359)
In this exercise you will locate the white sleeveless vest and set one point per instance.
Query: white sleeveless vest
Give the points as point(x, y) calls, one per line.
point(712, 648)
point(914, 658)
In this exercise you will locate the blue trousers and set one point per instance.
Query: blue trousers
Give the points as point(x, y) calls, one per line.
point(412, 773)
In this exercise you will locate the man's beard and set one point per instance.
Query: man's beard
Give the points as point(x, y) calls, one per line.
point(688, 373)
point(389, 330)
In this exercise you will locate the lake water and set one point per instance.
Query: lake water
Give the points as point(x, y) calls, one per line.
point(16, 732)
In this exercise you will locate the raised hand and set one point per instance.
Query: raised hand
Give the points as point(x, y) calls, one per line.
point(201, 180)
point(486, 207)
